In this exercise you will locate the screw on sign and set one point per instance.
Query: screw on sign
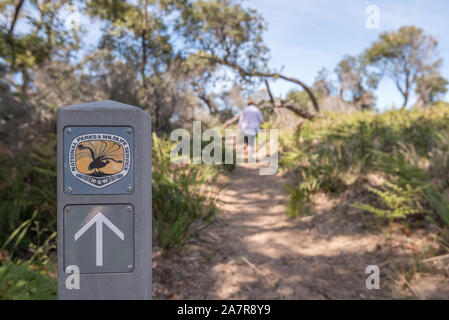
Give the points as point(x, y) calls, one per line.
point(104, 201)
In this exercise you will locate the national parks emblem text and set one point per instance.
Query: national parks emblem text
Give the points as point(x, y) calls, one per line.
point(99, 159)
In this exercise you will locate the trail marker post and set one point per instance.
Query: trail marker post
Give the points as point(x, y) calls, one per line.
point(104, 201)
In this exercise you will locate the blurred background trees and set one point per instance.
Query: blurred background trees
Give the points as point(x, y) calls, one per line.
point(152, 54)
point(409, 57)
point(178, 59)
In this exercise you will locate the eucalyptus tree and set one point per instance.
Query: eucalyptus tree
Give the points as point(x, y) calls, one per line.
point(407, 56)
point(32, 32)
point(356, 81)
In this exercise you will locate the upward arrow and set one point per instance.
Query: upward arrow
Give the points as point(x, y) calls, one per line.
point(99, 219)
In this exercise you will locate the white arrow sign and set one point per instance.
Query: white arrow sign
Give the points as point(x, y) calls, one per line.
point(98, 220)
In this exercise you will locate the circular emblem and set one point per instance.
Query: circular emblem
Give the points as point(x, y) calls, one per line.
point(99, 159)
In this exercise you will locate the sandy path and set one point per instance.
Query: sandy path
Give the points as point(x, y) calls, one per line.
point(254, 251)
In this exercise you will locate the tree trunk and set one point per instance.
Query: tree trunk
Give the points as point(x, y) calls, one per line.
point(405, 101)
point(405, 92)
point(144, 46)
point(11, 33)
point(14, 19)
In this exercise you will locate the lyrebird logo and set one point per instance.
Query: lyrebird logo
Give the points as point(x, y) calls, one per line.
point(99, 159)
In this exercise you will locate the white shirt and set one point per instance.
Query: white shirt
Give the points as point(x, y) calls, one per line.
point(250, 119)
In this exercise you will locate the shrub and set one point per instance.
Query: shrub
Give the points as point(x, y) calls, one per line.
point(25, 280)
point(28, 190)
point(180, 206)
point(409, 148)
point(399, 201)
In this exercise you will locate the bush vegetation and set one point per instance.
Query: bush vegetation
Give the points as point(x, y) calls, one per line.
point(408, 149)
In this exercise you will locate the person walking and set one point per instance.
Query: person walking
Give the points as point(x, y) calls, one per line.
point(249, 122)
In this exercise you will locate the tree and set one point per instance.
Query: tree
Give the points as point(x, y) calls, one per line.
point(224, 33)
point(404, 56)
point(140, 35)
point(46, 35)
point(162, 55)
point(299, 97)
point(430, 87)
point(189, 40)
point(356, 82)
point(323, 85)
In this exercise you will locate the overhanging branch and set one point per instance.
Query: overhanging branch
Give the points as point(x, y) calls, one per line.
point(275, 75)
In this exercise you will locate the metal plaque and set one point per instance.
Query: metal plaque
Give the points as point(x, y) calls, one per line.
point(99, 238)
point(98, 160)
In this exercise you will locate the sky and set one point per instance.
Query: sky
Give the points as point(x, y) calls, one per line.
point(306, 35)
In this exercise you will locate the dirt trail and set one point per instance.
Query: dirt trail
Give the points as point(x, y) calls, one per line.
point(254, 251)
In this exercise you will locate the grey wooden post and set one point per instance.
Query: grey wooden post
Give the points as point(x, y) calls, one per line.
point(104, 201)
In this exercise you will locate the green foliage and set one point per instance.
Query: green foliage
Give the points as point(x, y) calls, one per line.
point(225, 32)
point(180, 205)
point(430, 87)
point(26, 281)
point(28, 195)
point(299, 197)
point(399, 201)
point(356, 81)
point(42, 37)
point(32, 278)
point(410, 149)
point(300, 98)
point(408, 56)
point(226, 152)
point(408, 173)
